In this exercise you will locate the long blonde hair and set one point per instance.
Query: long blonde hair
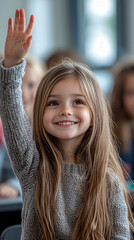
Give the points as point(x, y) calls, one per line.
point(97, 150)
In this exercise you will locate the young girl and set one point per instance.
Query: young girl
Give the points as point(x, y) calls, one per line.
point(73, 186)
point(122, 102)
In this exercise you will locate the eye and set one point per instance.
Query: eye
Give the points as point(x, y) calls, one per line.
point(78, 102)
point(53, 103)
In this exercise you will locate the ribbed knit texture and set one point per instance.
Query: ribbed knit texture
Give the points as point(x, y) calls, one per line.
point(25, 160)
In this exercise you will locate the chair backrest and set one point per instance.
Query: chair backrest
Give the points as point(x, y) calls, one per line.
point(11, 233)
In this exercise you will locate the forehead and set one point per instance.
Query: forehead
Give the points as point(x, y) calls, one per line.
point(69, 85)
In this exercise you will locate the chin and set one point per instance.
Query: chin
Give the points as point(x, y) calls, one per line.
point(65, 137)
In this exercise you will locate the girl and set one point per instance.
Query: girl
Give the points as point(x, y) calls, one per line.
point(73, 186)
point(122, 102)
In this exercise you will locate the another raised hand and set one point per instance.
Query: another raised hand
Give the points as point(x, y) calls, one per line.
point(18, 39)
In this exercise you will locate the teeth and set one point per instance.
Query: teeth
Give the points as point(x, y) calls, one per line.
point(66, 123)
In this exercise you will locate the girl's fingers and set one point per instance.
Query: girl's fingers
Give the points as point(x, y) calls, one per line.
point(17, 18)
point(10, 25)
point(30, 25)
point(22, 20)
point(27, 44)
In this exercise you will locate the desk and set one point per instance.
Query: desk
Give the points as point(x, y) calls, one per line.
point(8, 205)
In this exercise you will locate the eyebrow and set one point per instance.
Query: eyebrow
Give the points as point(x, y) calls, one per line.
point(72, 95)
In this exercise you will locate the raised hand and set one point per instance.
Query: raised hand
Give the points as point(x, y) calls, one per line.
point(18, 39)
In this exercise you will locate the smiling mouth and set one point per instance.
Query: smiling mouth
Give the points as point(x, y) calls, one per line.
point(68, 123)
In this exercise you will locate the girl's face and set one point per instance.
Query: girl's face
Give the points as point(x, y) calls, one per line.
point(128, 99)
point(67, 115)
point(29, 87)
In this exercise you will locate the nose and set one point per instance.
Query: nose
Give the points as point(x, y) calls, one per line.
point(66, 111)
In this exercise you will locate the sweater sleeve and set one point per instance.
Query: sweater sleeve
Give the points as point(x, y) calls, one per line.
point(17, 129)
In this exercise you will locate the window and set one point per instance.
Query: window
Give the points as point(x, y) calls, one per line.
point(100, 46)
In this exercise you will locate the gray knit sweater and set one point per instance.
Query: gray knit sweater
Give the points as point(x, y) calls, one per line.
point(25, 159)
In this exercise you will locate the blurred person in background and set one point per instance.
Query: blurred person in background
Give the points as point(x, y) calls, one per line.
point(9, 184)
point(122, 103)
point(59, 56)
point(33, 74)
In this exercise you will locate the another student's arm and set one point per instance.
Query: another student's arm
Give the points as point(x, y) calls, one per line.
point(8, 191)
point(9, 186)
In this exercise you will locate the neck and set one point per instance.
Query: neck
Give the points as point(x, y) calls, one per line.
point(68, 149)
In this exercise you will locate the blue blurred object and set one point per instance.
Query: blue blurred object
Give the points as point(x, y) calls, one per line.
point(12, 233)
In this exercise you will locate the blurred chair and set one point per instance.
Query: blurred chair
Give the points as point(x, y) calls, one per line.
point(11, 233)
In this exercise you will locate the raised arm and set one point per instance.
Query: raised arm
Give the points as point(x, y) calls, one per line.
point(17, 129)
point(18, 39)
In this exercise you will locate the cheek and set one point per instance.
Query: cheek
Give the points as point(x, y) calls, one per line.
point(47, 119)
point(85, 116)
